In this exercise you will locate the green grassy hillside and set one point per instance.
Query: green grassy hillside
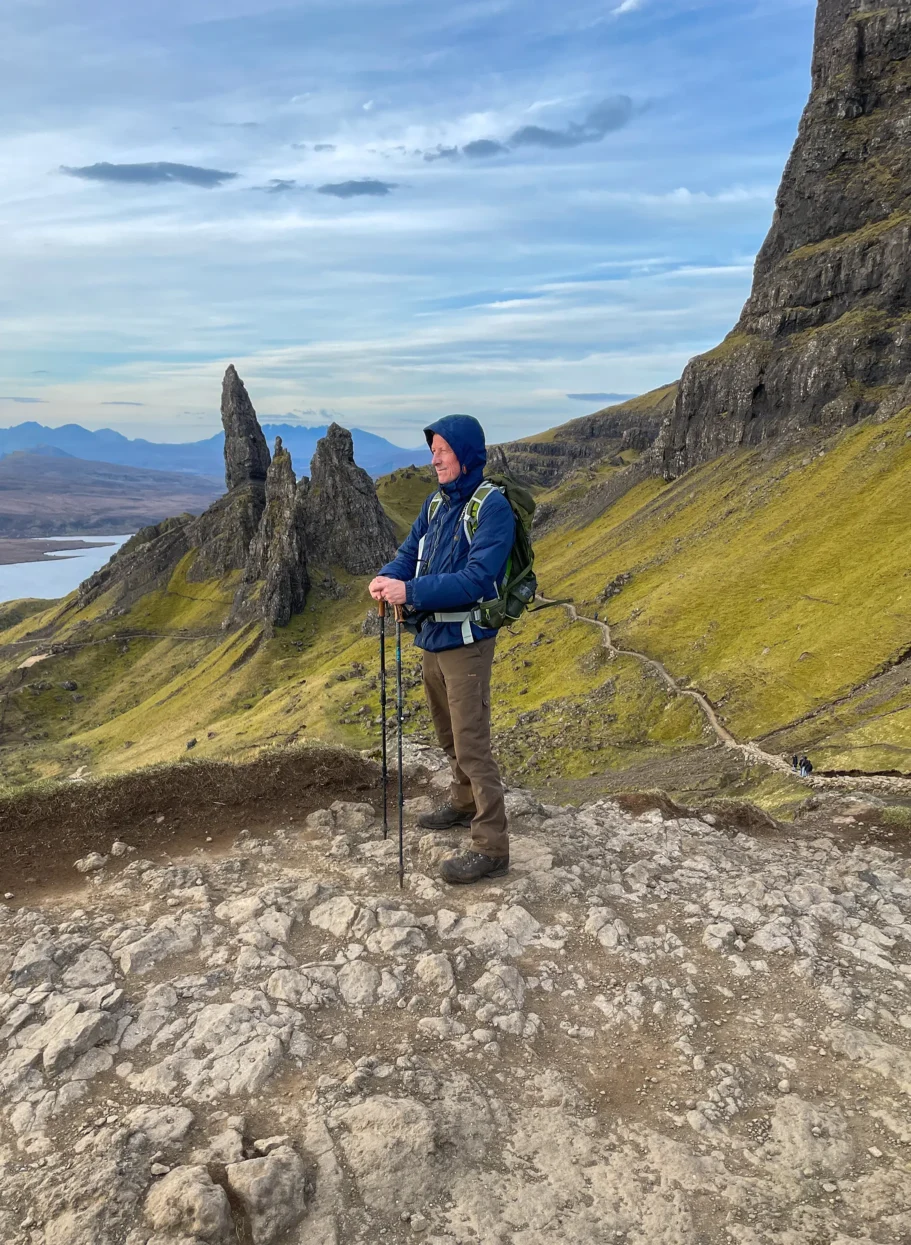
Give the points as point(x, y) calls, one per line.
point(776, 585)
point(779, 585)
point(402, 494)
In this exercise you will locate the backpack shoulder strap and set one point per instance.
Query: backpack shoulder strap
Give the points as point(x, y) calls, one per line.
point(472, 513)
point(435, 502)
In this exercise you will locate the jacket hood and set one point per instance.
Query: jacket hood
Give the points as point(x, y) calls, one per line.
point(466, 437)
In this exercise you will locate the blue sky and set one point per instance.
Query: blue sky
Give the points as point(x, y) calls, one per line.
point(380, 209)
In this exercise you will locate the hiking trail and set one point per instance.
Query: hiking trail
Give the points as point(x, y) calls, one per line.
point(750, 750)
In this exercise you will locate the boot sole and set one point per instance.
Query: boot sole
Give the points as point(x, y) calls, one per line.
point(455, 825)
point(494, 873)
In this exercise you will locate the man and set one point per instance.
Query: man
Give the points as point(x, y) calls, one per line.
point(442, 574)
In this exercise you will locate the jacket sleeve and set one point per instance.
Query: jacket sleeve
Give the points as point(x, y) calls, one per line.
point(476, 580)
point(405, 561)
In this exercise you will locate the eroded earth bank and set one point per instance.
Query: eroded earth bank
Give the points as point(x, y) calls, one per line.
point(658, 1030)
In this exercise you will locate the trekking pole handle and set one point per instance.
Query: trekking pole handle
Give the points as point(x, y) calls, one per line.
point(381, 608)
point(399, 613)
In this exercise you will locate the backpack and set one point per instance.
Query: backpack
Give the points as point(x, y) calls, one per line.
point(519, 585)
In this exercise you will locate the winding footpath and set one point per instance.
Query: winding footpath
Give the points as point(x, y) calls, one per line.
point(751, 751)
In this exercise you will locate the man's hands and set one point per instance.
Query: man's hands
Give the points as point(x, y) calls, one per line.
point(385, 589)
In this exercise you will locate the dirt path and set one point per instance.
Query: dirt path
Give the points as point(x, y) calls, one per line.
point(750, 750)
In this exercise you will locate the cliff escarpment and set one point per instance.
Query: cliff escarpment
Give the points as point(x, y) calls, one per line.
point(824, 339)
point(617, 433)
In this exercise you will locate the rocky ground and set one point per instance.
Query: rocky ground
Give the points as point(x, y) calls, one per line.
point(657, 1030)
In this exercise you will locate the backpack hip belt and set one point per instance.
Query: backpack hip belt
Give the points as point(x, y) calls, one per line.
point(465, 618)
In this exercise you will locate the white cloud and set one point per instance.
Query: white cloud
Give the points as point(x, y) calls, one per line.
point(495, 288)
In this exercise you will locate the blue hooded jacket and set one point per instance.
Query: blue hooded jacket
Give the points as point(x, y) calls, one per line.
point(455, 574)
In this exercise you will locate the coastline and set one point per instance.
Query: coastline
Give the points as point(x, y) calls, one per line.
point(15, 550)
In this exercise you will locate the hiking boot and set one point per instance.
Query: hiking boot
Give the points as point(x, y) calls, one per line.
point(445, 818)
point(472, 866)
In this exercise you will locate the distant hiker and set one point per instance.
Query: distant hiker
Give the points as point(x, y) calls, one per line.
point(445, 566)
point(795, 761)
point(806, 769)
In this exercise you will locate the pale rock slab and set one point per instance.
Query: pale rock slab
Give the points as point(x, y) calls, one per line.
point(164, 939)
point(311, 987)
point(92, 967)
point(156, 1010)
point(519, 925)
point(164, 1126)
point(719, 936)
point(239, 911)
point(433, 972)
point(335, 916)
point(806, 1137)
point(69, 1033)
point(351, 818)
point(773, 937)
point(34, 961)
point(873, 1052)
point(398, 940)
point(186, 1202)
point(274, 1191)
point(503, 986)
point(390, 1148)
point(91, 863)
point(359, 983)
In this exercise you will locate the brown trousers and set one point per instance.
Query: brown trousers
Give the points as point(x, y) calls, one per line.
point(457, 687)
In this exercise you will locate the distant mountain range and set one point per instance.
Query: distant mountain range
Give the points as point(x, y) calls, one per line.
point(375, 454)
point(49, 492)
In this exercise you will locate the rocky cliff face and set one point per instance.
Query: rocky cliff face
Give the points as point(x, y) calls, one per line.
point(825, 337)
point(220, 536)
point(275, 579)
point(266, 526)
point(246, 453)
point(345, 524)
point(633, 425)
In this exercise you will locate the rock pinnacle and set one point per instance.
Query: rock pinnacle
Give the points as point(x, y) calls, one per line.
point(246, 452)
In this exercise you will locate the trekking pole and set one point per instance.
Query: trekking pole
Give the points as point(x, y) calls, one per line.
point(381, 611)
point(399, 701)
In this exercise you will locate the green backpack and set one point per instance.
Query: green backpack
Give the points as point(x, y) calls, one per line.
point(519, 585)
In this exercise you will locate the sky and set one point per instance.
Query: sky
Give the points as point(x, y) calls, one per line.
point(380, 210)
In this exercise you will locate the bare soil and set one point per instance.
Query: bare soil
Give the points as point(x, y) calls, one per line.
point(173, 809)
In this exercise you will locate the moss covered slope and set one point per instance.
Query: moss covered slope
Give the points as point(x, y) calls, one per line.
point(776, 585)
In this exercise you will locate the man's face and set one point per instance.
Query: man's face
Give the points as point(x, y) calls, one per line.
point(445, 463)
